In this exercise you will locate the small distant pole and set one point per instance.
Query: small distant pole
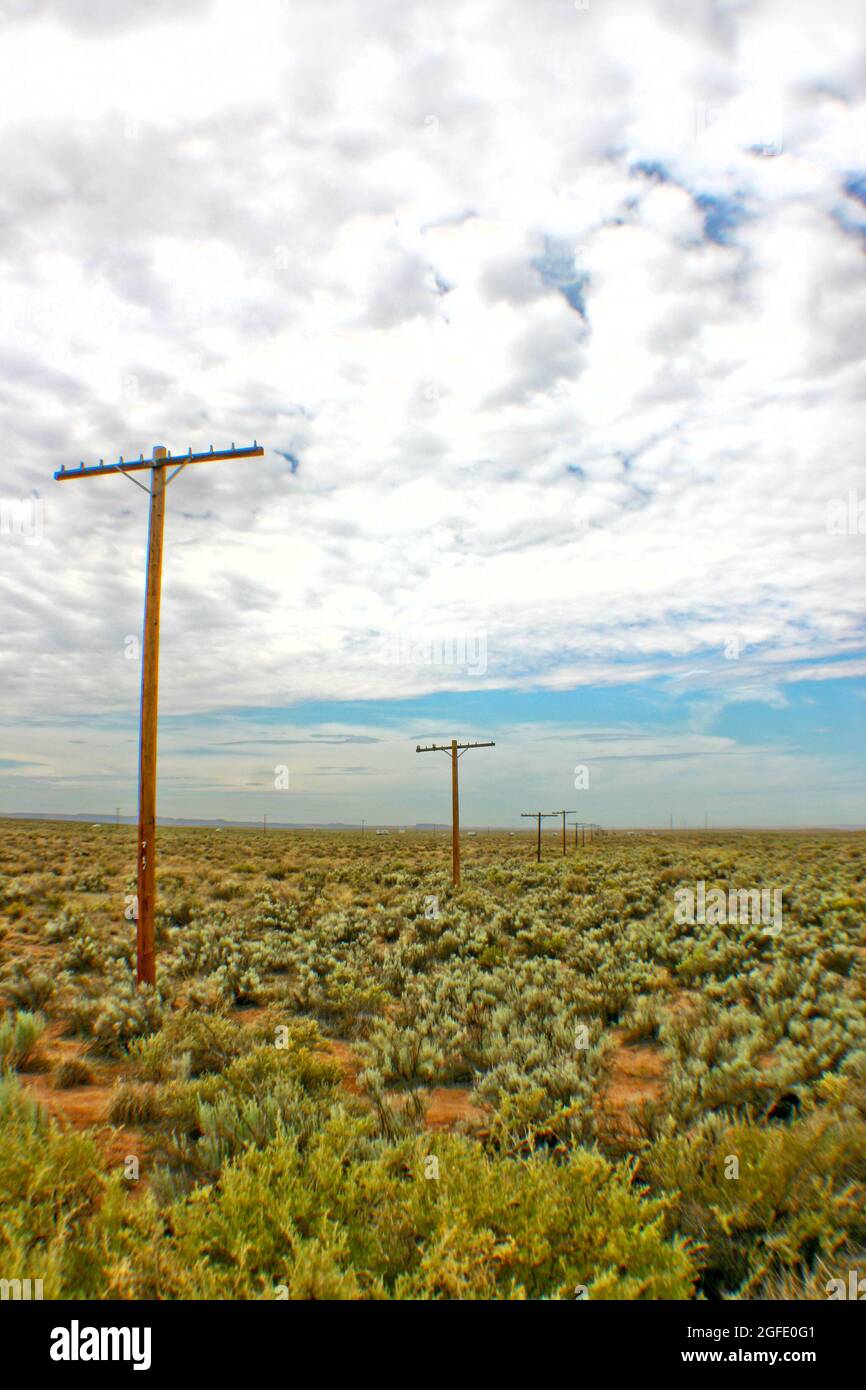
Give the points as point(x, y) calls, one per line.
point(539, 816)
point(564, 814)
point(265, 824)
point(672, 820)
point(118, 815)
point(456, 750)
point(363, 823)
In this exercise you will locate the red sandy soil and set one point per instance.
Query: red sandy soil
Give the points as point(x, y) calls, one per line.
point(767, 1062)
point(450, 1106)
point(249, 1015)
point(85, 1107)
point(349, 1064)
point(684, 1001)
point(636, 1078)
point(447, 1106)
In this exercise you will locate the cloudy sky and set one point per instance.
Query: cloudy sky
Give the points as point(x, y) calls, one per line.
point(552, 320)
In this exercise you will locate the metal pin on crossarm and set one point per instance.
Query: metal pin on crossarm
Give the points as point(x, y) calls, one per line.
point(157, 466)
point(456, 750)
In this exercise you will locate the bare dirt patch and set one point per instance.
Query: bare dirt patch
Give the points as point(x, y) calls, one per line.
point(447, 1107)
point(348, 1062)
point(452, 1106)
point(85, 1107)
point(636, 1079)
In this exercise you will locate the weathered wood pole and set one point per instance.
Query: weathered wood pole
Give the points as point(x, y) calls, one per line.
point(145, 953)
point(455, 818)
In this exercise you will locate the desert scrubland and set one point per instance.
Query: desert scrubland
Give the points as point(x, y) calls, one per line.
point(353, 1082)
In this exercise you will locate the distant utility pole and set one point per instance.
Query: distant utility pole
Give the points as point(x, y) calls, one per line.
point(539, 816)
point(157, 467)
point(265, 823)
point(583, 826)
point(563, 814)
point(363, 823)
point(672, 820)
point(118, 815)
point(456, 751)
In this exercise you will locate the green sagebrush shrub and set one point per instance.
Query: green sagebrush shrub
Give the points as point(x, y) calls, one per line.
point(19, 1037)
point(335, 1212)
point(72, 1072)
point(346, 1217)
point(60, 1220)
point(270, 1091)
point(27, 985)
point(188, 1045)
point(113, 1010)
point(219, 953)
point(796, 1193)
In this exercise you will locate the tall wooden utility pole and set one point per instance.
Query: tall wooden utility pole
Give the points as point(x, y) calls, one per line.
point(539, 816)
point(456, 751)
point(161, 460)
point(563, 814)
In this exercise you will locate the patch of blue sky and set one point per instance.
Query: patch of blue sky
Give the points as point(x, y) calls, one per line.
point(824, 716)
point(722, 213)
point(496, 708)
point(722, 216)
point(652, 169)
point(557, 268)
point(852, 226)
